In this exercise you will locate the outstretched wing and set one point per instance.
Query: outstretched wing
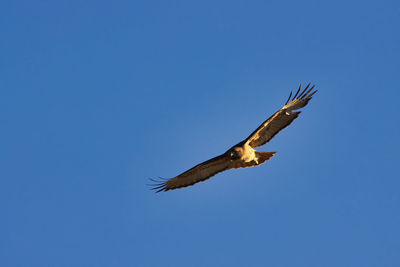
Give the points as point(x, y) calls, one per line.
point(282, 118)
point(198, 173)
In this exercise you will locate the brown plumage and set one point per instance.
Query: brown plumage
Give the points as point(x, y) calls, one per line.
point(243, 155)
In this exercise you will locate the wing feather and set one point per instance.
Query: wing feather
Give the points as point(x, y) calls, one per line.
point(282, 118)
point(198, 173)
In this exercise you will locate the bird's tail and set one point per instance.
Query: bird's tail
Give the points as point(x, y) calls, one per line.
point(264, 156)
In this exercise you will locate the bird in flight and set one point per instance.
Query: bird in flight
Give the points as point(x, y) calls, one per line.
point(242, 155)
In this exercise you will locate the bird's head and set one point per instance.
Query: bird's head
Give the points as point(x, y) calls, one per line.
point(234, 153)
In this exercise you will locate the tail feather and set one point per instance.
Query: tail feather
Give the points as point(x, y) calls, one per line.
point(264, 156)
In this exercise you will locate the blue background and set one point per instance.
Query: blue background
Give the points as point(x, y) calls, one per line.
point(96, 97)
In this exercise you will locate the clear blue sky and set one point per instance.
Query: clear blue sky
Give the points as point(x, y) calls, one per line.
point(96, 97)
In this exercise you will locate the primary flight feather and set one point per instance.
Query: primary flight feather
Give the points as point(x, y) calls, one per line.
point(242, 155)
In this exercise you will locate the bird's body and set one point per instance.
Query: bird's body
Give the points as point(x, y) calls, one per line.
point(243, 154)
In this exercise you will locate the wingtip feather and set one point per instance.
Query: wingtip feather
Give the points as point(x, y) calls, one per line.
point(294, 97)
point(290, 95)
point(159, 185)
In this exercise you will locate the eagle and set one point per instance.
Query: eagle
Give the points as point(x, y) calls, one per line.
point(243, 154)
